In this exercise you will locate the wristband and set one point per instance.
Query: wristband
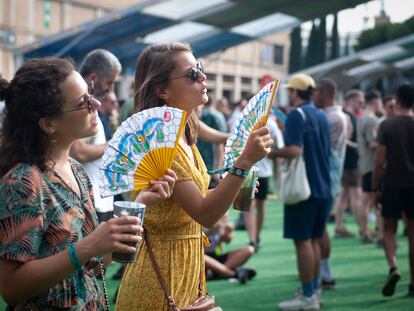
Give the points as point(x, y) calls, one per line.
point(238, 171)
point(232, 170)
point(74, 257)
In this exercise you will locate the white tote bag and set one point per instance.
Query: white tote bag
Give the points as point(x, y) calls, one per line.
point(294, 184)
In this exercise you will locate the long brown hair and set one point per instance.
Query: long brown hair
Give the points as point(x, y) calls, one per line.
point(154, 67)
point(33, 93)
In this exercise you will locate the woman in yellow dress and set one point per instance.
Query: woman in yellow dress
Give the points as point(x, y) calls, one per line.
point(168, 74)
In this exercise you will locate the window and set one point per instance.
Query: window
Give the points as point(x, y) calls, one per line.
point(246, 80)
point(278, 54)
point(227, 78)
point(211, 77)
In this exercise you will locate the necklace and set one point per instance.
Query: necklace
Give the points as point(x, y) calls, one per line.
point(66, 181)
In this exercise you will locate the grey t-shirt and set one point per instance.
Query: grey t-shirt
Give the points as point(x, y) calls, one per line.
point(367, 133)
point(338, 126)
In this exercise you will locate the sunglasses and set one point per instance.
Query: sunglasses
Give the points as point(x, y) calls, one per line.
point(87, 100)
point(193, 74)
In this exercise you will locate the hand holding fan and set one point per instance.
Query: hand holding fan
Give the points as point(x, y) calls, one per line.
point(142, 149)
point(258, 109)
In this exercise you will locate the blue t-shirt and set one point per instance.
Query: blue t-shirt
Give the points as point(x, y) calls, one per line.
point(106, 126)
point(313, 137)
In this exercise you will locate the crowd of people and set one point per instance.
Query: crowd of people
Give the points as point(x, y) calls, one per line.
point(57, 121)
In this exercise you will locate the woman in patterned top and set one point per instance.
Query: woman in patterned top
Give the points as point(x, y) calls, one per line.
point(168, 74)
point(50, 241)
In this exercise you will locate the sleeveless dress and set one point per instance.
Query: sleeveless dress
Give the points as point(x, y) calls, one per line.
point(175, 238)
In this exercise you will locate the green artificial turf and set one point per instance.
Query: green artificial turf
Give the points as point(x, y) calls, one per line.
point(360, 271)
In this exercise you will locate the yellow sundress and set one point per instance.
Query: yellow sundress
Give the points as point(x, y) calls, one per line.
point(175, 239)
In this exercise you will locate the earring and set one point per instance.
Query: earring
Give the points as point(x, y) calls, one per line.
point(52, 139)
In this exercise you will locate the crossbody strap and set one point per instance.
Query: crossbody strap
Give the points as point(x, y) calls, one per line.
point(161, 280)
point(302, 113)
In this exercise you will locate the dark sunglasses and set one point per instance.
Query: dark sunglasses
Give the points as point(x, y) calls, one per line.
point(193, 73)
point(87, 100)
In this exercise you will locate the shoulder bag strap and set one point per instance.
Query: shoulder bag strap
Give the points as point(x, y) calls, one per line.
point(302, 113)
point(200, 289)
point(171, 303)
point(162, 281)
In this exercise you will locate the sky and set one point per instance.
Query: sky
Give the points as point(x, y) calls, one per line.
point(352, 20)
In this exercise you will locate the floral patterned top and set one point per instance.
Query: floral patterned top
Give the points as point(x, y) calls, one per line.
point(39, 217)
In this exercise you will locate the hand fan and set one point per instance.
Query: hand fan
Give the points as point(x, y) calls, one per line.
point(256, 110)
point(142, 149)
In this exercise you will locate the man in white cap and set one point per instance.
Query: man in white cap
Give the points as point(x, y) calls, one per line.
point(307, 133)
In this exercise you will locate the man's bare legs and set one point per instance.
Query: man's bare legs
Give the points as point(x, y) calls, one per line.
point(260, 214)
point(306, 258)
point(351, 196)
point(250, 223)
point(355, 198)
point(390, 246)
point(340, 206)
point(366, 203)
point(390, 243)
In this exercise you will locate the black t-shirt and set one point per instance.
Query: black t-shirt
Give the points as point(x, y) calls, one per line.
point(397, 134)
point(351, 154)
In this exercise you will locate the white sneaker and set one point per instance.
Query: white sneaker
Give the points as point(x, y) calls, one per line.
point(300, 303)
point(318, 294)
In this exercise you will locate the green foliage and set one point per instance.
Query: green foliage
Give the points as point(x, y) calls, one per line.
point(321, 41)
point(335, 40)
point(384, 33)
point(295, 54)
point(311, 52)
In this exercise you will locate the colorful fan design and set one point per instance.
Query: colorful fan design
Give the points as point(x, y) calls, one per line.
point(142, 149)
point(258, 109)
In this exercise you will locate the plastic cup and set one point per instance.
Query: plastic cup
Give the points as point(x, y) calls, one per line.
point(125, 208)
point(246, 194)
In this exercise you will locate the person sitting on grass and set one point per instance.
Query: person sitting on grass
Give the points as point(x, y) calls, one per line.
point(226, 265)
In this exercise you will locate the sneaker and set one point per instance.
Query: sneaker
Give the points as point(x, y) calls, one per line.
point(318, 294)
point(343, 233)
point(366, 239)
point(245, 274)
point(411, 291)
point(256, 246)
point(328, 284)
point(239, 225)
point(299, 303)
point(380, 243)
point(390, 283)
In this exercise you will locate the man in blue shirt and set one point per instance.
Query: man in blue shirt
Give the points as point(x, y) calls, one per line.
point(307, 132)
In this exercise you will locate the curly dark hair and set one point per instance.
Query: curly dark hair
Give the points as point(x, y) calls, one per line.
point(154, 66)
point(33, 93)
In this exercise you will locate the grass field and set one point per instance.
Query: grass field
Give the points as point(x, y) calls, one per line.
point(359, 269)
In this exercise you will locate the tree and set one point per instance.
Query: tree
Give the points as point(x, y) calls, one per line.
point(321, 50)
point(384, 33)
point(335, 39)
point(295, 53)
point(347, 47)
point(311, 51)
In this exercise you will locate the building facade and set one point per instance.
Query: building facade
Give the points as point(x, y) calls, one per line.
point(232, 73)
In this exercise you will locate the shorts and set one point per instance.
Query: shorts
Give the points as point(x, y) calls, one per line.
point(351, 178)
point(262, 189)
point(220, 258)
point(396, 200)
point(306, 220)
point(367, 182)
